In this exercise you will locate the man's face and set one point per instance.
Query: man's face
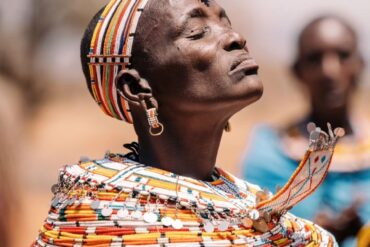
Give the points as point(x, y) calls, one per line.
point(329, 64)
point(202, 64)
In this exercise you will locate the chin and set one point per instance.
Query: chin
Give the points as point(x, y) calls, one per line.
point(251, 89)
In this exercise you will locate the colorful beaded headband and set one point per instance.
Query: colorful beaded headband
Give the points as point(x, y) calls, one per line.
point(110, 52)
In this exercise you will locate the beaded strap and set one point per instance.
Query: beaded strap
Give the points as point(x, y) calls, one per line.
point(310, 173)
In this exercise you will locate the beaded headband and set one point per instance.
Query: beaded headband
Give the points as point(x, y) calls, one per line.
point(110, 52)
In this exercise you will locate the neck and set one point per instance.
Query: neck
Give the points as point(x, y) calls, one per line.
point(188, 146)
point(337, 118)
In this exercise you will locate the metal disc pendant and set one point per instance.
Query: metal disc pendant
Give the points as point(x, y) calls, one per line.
point(150, 217)
point(340, 132)
point(137, 215)
point(167, 221)
point(223, 225)
point(247, 223)
point(122, 213)
point(254, 214)
point(209, 227)
point(55, 188)
point(177, 224)
point(95, 204)
point(261, 226)
point(107, 212)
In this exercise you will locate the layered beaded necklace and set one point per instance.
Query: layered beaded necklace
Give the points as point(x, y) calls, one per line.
point(123, 191)
point(142, 202)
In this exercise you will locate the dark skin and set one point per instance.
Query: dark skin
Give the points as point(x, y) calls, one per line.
point(329, 66)
point(202, 75)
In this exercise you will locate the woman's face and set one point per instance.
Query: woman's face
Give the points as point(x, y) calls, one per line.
point(201, 63)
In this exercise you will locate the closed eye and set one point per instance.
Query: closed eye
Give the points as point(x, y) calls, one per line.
point(198, 34)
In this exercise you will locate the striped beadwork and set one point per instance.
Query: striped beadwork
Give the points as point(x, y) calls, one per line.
point(110, 52)
point(80, 216)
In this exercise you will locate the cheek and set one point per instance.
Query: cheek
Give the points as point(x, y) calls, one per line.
point(200, 54)
point(311, 77)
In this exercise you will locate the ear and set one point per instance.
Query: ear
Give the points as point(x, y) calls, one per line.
point(359, 67)
point(296, 69)
point(361, 64)
point(133, 88)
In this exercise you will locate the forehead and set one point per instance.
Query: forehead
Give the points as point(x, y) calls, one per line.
point(182, 7)
point(327, 34)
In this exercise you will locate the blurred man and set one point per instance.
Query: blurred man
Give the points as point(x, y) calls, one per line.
point(328, 64)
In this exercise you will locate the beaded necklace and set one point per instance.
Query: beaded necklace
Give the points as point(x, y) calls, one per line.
point(92, 184)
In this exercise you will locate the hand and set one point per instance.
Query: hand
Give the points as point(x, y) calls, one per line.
point(345, 224)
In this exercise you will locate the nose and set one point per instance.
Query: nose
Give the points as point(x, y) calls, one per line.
point(331, 66)
point(234, 41)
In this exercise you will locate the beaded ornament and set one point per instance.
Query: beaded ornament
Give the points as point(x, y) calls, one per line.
point(110, 52)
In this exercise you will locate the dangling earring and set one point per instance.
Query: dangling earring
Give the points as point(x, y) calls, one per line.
point(227, 127)
point(156, 128)
point(153, 121)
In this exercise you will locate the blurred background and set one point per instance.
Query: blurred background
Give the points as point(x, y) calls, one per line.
point(48, 119)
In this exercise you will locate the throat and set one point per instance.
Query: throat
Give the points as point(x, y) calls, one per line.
point(187, 153)
point(197, 163)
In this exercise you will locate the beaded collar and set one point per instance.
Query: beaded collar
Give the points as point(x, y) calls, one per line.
point(127, 180)
point(156, 196)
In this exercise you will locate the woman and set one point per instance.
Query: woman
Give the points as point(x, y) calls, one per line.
point(329, 65)
point(178, 72)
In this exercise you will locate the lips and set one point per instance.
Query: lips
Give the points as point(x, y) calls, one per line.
point(247, 66)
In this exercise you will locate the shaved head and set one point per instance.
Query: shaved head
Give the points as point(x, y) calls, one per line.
point(329, 63)
point(327, 25)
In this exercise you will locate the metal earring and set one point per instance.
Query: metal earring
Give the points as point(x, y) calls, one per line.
point(156, 128)
point(227, 127)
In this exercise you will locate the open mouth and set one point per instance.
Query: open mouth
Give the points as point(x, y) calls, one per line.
point(246, 66)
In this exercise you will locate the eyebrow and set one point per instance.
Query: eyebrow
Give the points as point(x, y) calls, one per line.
point(224, 15)
point(196, 12)
point(206, 2)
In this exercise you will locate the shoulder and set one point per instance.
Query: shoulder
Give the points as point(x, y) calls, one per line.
point(100, 171)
